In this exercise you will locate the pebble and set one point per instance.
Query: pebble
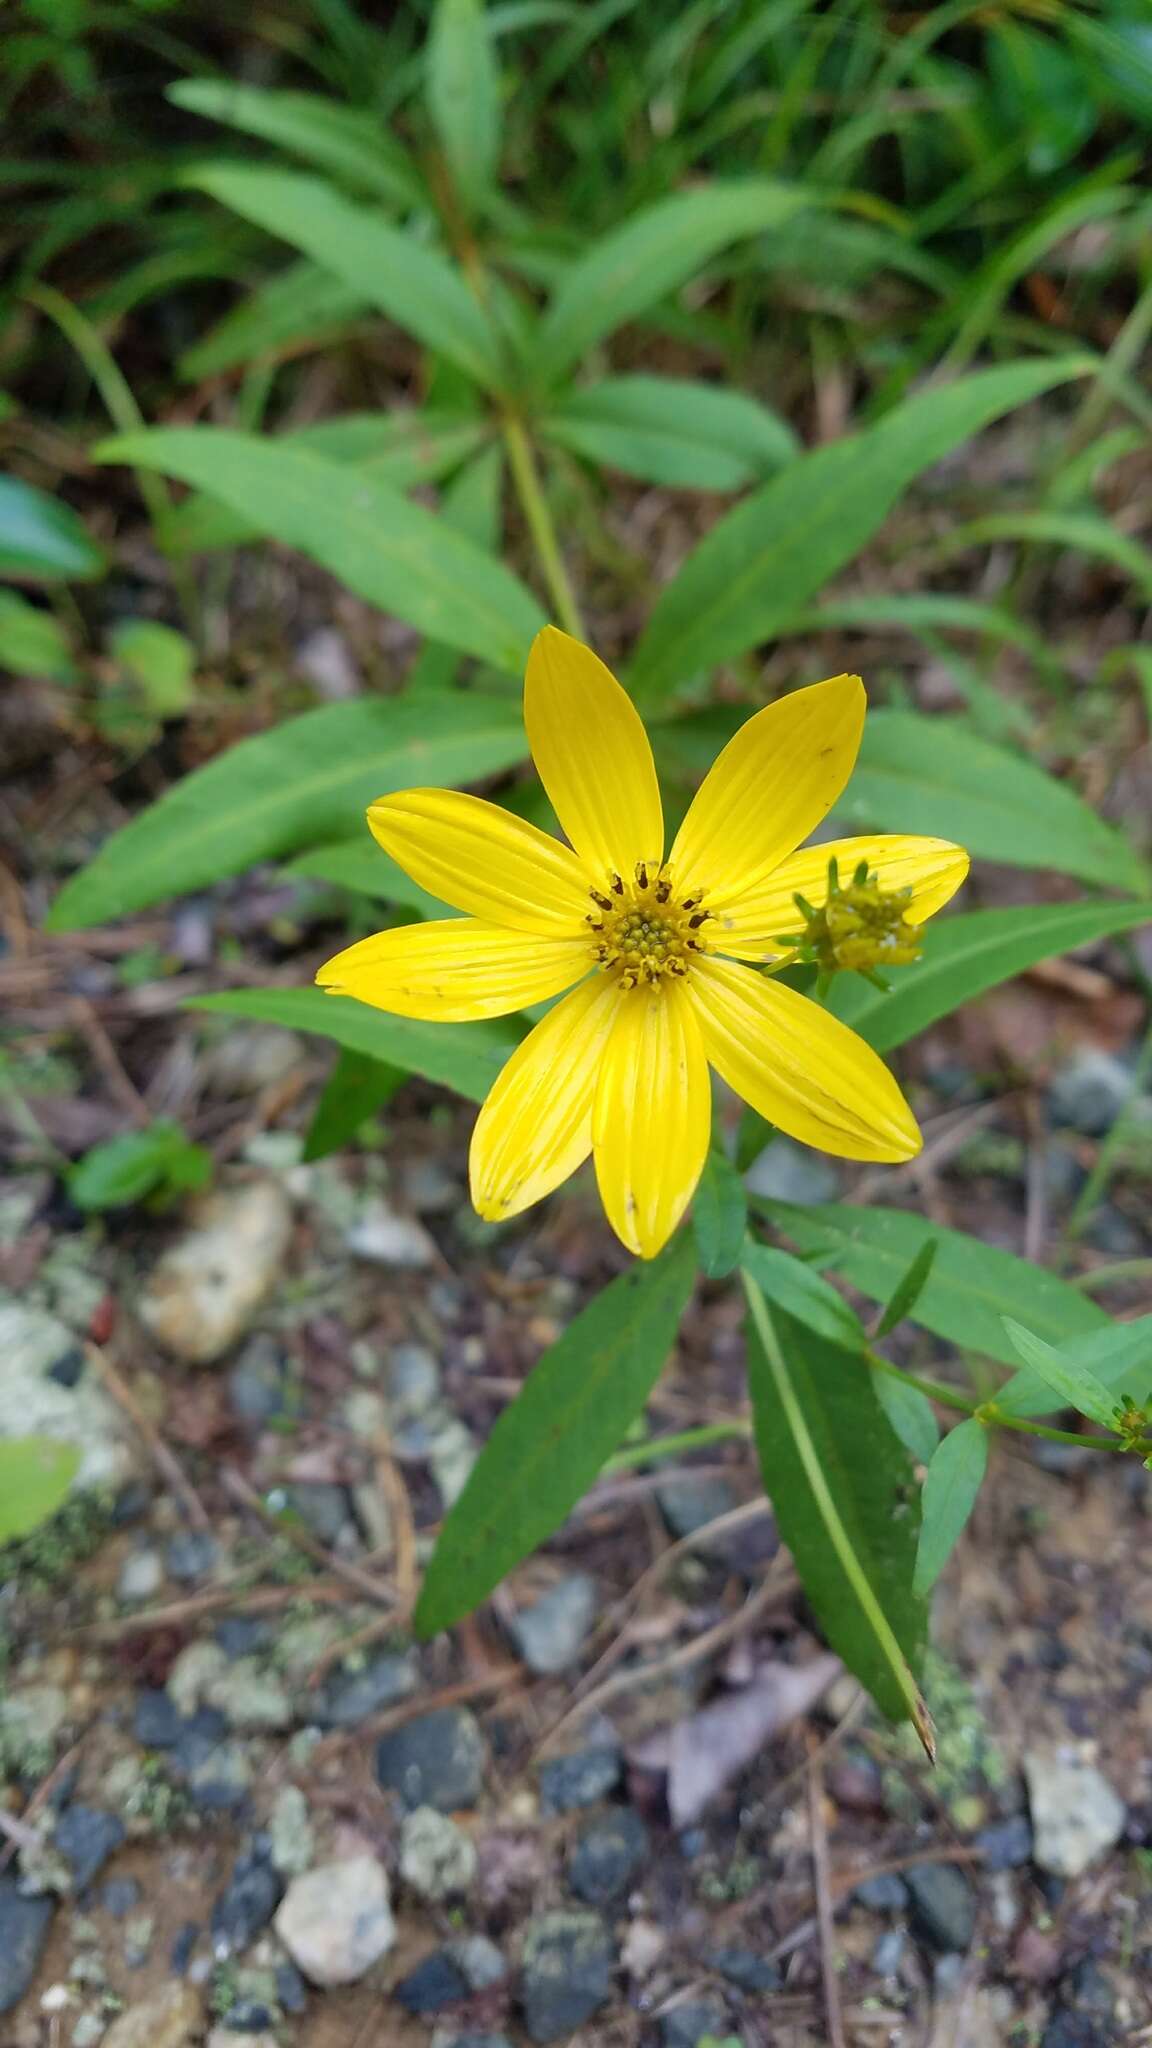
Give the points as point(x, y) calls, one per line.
point(1007, 1844)
point(246, 1905)
point(744, 1968)
point(437, 1859)
point(1076, 1815)
point(171, 2018)
point(336, 1920)
point(218, 1781)
point(250, 1697)
point(120, 1896)
point(567, 1975)
point(24, 1925)
point(480, 1961)
point(608, 1852)
point(202, 1294)
point(581, 1779)
point(292, 1842)
point(34, 1403)
point(1076, 2030)
point(323, 1508)
point(348, 1697)
point(435, 1760)
point(1088, 1092)
point(413, 1381)
point(247, 1058)
point(695, 2021)
point(437, 1981)
point(86, 1837)
point(227, 2037)
point(447, 2037)
point(191, 1555)
point(943, 1905)
point(885, 1894)
point(385, 1238)
point(690, 1500)
point(258, 1383)
point(550, 1635)
point(141, 1576)
point(888, 1953)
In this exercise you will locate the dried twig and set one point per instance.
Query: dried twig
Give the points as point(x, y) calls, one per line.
point(824, 1907)
point(352, 1574)
point(108, 1060)
point(163, 1459)
point(394, 1717)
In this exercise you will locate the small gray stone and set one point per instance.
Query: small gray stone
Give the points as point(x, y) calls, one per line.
point(413, 1381)
point(582, 1779)
point(435, 1982)
point(885, 1894)
point(744, 1968)
point(1076, 1816)
point(550, 1635)
point(568, 1964)
point(435, 1760)
point(86, 1837)
point(348, 1697)
point(250, 1697)
point(695, 2021)
point(246, 1904)
point(218, 1781)
point(336, 1920)
point(448, 2037)
point(437, 1859)
point(608, 1853)
point(291, 1836)
point(1007, 1844)
point(888, 1953)
point(790, 1173)
point(383, 1237)
point(120, 1896)
point(943, 1905)
point(480, 1961)
point(1089, 1091)
point(24, 1925)
point(323, 1508)
point(258, 1383)
point(191, 1555)
point(691, 1500)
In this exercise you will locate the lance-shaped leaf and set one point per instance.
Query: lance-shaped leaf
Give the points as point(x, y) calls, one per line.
point(952, 1482)
point(464, 1057)
point(787, 1283)
point(908, 1290)
point(355, 1090)
point(843, 1493)
point(350, 143)
point(768, 557)
point(463, 89)
point(1074, 1384)
point(380, 544)
point(909, 1411)
point(1119, 1355)
point(35, 1475)
point(719, 1216)
point(311, 778)
point(551, 1441)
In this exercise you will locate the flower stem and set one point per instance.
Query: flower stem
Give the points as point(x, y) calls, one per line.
point(534, 506)
point(670, 1446)
point(987, 1412)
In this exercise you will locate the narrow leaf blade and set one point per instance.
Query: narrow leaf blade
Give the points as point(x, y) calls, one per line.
point(464, 1057)
point(356, 1088)
point(551, 1441)
point(719, 1216)
point(1076, 1384)
point(952, 1482)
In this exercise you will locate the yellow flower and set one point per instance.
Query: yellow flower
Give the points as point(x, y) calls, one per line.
point(619, 1068)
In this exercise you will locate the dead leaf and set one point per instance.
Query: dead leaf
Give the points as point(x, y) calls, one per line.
point(704, 1753)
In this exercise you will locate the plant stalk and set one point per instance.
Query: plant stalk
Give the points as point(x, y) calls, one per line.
point(534, 506)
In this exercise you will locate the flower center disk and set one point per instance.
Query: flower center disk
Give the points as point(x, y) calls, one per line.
point(640, 932)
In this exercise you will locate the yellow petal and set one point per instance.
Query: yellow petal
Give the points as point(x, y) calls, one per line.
point(593, 756)
point(536, 1126)
point(454, 969)
point(801, 1068)
point(484, 860)
point(652, 1117)
point(775, 780)
point(932, 868)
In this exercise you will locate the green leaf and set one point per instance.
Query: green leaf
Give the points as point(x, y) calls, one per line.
point(971, 1288)
point(159, 1160)
point(399, 449)
point(349, 142)
point(633, 266)
point(1084, 532)
point(463, 87)
point(33, 642)
point(769, 556)
point(1119, 1356)
point(804, 1294)
point(1075, 1383)
point(673, 431)
point(464, 1057)
point(966, 955)
point(412, 284)
point(909, 1411)
point(552, 1440)
point(35, 1475)
point(160, 661)
point(842, 1490)
point(359, 864)
point(309, 779)
point(907, 1291)
point(303, 306)
point(356, 1088)
point(43, 540)
point(381, 545)
point(719, 1216)
point(951, 1484)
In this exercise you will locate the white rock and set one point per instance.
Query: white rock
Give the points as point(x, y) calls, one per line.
point(171, 2018)
point(193, 1671)
point(32, 1404)
point(204, 1292)
point(437, 1859)
point(385, 1238)
point(1076, 1816)
point(550, 1635)
point(291, 1832)
point(141, 1576)
point(226, 2037)
point(336, 1920)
